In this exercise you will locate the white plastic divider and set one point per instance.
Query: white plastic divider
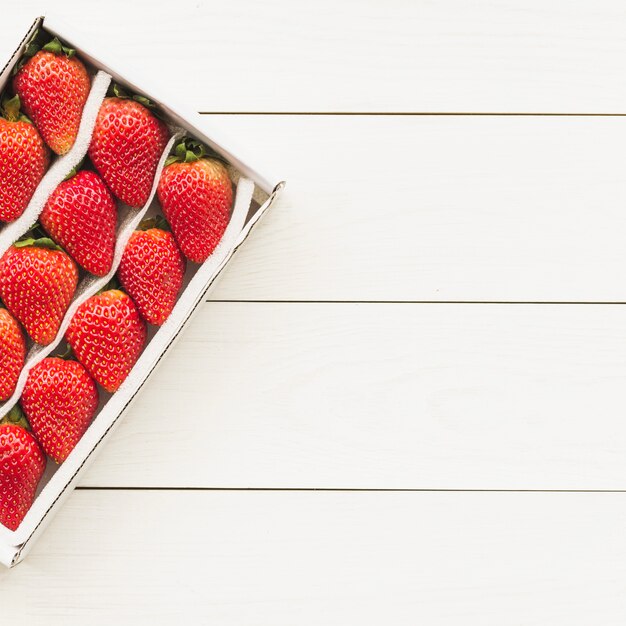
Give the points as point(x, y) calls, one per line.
point(61, 167)
point(13, 544)
point(90, 285)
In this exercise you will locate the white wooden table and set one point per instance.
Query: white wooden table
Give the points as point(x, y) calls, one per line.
point(405, 402)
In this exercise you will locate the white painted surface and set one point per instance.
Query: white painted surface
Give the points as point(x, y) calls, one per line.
point(312, 394)
point(399, 55)
point(284, 558)
point(382, 396)
point(438, 208)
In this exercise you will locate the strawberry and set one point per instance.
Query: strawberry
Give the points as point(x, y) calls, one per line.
point(196, 195)
point(24, 160)
point(12, 354)
point(151, 272)
point(127, 144)
point(22, 464)
point(107, 336)
point(37, 284)
point(53, 86)
point(59, 400)
point(81, 216)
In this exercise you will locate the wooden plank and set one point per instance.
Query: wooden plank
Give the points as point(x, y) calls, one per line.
point(246, 558)
point(459, 208)
point(382, 396)
point(437, 208)
point(510, 56)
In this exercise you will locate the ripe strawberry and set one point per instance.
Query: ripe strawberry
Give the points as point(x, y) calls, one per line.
point(53, 86)
point(22, 464)
point(107, 336)
point(37, 284)
point(196, 196)
point(24, 160)
point(81, 216)
point(151, 272)
point(59, 400)
point(127, 144)
point(12, 354)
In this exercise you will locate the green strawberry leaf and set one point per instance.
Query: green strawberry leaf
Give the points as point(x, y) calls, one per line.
point(116, 91)
point(145, 101)
point(43, 242)
point(189, 150)
point(56, 47)
point(34, 45)
point(158, 221)
point(75, 170)
point(181, 150)
point(112, 284)
point(17, 417)
point(67, 354)
point(11, 108)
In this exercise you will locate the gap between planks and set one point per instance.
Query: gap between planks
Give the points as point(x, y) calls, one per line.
point(348, 489)
point(511, 302)
point(410, 114)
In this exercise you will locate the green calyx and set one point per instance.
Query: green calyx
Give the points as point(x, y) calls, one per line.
point(67, 354)
point(16, 417)
point(43, 242)
point(75, 170)
point(158, 221)
point(11, 109)
point(34, 44)
point(56, 47)
point(116, 91)
point(113, 284)
point(189, 150)
point(41, 41)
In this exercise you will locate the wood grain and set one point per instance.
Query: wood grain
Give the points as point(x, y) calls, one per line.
point(438, 208)
point(385, 396)
point(306, 394)
point(250, 558)
point(510, 56)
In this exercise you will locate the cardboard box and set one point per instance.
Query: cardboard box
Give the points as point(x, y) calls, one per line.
point(255, 193)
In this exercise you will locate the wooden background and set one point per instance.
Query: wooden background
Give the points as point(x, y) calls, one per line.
point(404, 403)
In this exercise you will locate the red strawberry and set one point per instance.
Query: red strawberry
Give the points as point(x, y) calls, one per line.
point(24, 160)
point(37, 284)
point(59, 400)
point(22, 464)
point(53, 86)
point(81, 215)
point(197, 196)
point(151, 272)
point(127, 144)
point(12, 354)
point(107, 336)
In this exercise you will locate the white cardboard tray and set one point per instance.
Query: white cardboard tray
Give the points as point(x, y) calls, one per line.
point(262, 187)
